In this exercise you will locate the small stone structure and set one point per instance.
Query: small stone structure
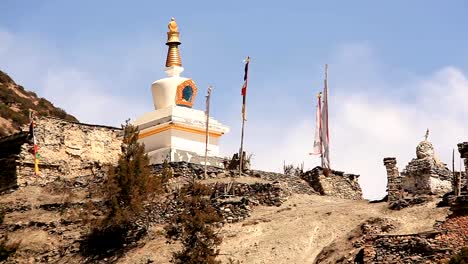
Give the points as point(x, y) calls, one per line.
point(463, 149)
point(337, 183)
point(66, 149)
point(394, 187)
point(426, 174)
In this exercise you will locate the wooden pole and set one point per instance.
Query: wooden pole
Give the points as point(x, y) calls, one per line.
point(207, 112)
point(241, 152)
point(244, 106)
point(326, 151)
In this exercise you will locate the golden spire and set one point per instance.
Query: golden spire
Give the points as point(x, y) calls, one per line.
point(173, 55)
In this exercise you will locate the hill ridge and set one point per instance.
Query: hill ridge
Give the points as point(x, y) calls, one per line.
point(16, 102)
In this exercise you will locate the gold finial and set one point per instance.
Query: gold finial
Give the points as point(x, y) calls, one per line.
point(173, 26)
point(173, 41)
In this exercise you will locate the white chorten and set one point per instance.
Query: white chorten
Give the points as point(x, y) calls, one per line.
point(174, 131)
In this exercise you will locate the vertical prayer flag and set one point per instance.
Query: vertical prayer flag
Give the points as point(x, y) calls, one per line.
point(318, 119)
point(244, 86)
point(322, 140)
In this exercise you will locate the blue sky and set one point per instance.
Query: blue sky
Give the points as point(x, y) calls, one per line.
point(395, 68)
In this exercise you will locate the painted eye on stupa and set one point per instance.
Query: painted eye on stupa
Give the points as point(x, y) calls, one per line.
point(187, 93)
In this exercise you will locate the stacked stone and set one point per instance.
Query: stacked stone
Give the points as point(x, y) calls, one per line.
point(270, 194)
point(463, 149)
point(234, 201)
point(393, 180)
point(437, 246)
point(415, 248)
point(295, 183)
point(459, 205)
point(337, 184)
point(189, 170)
point(66, 150)
point(427, 166)
point(234, 209)
point(455, 233)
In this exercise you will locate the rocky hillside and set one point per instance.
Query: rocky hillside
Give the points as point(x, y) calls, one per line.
point(15, 103)
point(268, 218)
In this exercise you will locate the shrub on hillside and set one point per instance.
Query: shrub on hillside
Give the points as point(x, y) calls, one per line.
point(127, 186)
point(193, 227)
point(7, 249)
point(461, 257)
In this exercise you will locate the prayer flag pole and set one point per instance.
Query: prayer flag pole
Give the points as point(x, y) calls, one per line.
point(244, 95)
point(325, 130)
point(207, 112)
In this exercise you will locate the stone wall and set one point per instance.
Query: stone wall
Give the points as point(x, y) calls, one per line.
point(394, 186)
point(189, 170)
point(66, 150)
point(336, 184)
point(233, 200)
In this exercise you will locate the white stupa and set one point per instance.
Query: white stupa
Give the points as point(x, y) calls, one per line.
point(174, 131)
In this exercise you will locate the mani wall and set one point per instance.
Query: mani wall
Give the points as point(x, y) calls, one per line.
point(66, 150)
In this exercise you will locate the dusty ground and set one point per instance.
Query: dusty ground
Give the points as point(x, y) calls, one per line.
point(296, 231)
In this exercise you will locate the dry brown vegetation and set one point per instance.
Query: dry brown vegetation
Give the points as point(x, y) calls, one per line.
point(16, 102)
point(193, 227)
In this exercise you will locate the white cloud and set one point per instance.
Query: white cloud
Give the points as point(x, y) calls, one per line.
point(86, 98)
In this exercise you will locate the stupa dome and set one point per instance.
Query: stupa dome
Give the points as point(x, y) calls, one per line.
point(424, 150)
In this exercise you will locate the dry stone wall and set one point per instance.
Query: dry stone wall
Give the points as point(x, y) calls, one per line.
point(66, 150)
point(336, 184)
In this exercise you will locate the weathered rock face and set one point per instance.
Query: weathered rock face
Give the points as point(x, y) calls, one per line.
point(66, 150)
point(336, 184)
